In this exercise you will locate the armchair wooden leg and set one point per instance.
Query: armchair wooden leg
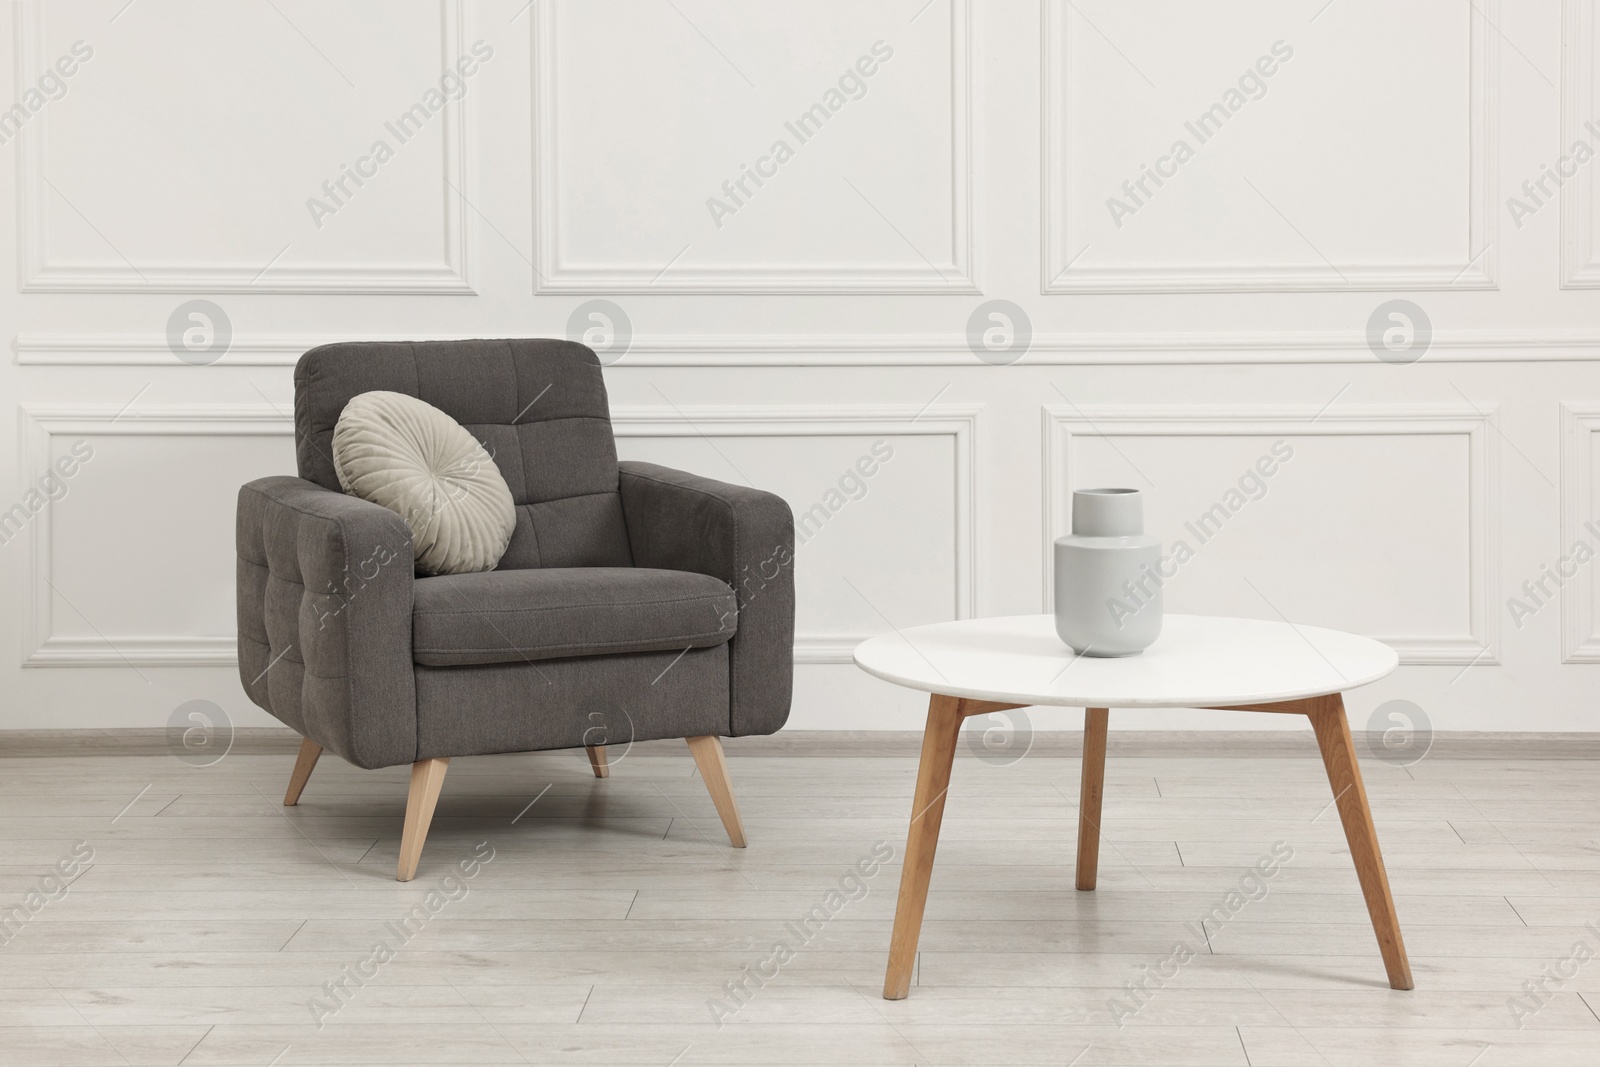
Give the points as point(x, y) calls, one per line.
point(427, 777)
point(714, 769)
point(597, 760)
point(304, 764)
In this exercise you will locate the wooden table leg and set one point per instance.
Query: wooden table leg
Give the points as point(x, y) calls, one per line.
point(1090, 790)
point(1344, 775)
point(933, 781)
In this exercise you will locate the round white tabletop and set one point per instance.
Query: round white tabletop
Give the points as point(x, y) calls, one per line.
point(1199, 661)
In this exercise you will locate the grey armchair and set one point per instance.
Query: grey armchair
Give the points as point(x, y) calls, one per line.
point(633, 603)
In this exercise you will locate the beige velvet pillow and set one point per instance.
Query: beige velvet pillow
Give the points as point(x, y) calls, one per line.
point(418, 462)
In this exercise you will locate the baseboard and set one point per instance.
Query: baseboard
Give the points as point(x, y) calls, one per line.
point(1128, 744)
point(139, 741)
point(1150, 744)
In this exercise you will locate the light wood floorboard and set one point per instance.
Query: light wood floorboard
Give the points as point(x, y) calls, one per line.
point(614, 912)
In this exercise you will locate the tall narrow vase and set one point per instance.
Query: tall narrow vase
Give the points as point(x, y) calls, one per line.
point(1107, 586)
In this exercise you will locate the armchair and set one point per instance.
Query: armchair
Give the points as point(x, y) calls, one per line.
point(633, 603)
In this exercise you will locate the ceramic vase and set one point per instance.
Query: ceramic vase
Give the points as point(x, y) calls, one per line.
point(1107, 586)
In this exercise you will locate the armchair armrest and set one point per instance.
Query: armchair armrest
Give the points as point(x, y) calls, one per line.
point(684, 522)
point(324, 608)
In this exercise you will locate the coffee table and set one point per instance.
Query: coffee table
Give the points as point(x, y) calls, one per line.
point(981, 665)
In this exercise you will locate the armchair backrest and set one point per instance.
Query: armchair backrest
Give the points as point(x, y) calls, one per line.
point(538, 406)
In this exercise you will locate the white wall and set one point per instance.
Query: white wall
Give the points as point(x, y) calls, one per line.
point(777, 338)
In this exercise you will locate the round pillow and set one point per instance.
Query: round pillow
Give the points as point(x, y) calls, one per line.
point(418, 462)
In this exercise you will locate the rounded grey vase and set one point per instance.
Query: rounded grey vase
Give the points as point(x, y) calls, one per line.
point(1108, 589)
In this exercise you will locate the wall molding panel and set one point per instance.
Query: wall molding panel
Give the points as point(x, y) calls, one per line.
point(553, 275)
point(1062, 245)
point(871, 350)
point(958, 422)
point(1580, 636)
point(42, 271)
point(38, 425)
point(1064, 424)
point(1580, 264)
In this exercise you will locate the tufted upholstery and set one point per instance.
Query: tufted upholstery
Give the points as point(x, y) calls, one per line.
point(681, 521)
point(324, 611)
point(328, 604)
point(538, 406)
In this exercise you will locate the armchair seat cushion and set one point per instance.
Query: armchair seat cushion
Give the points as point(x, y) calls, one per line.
point(517, 616)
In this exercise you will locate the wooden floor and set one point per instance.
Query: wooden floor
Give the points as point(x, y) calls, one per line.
point(613, 913)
